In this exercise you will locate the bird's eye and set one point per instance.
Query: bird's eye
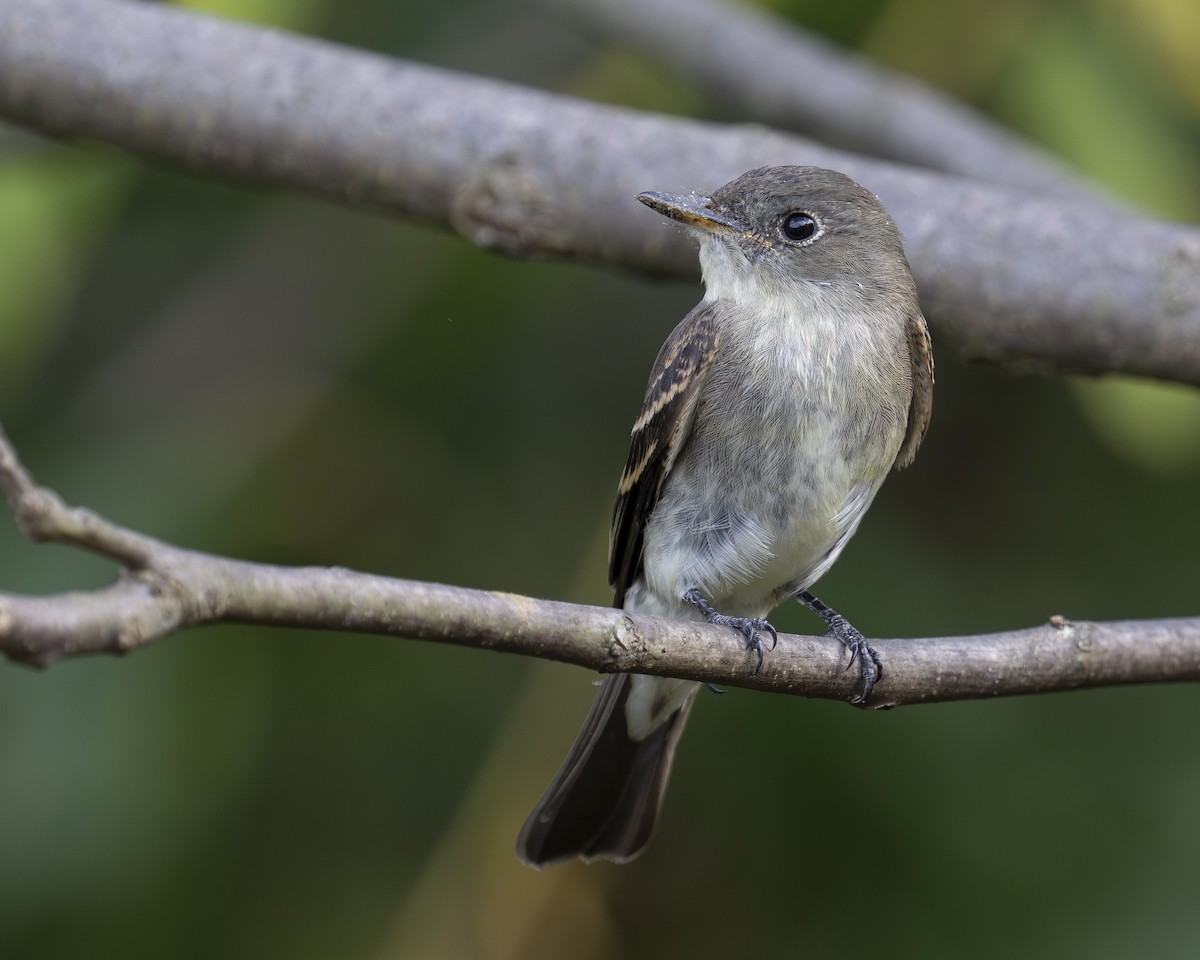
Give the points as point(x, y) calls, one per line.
point(798, 226)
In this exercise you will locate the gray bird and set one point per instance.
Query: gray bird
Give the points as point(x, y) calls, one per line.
point(773, 413)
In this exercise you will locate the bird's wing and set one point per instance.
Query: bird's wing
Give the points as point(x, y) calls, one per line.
point(920, 351)
point(658, 436)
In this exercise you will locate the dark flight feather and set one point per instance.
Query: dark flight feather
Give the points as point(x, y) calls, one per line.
point(657, 438)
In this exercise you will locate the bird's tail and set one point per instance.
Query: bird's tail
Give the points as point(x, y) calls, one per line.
point(606, 796)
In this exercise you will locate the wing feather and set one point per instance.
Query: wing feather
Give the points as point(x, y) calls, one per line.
point(920, 351)
point(658, 436)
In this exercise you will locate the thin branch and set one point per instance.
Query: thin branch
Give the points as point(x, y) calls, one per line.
point(164, 589)
point(1005, 275)
point(763, 67)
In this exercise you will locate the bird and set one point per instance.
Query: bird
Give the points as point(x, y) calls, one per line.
point(773, 413)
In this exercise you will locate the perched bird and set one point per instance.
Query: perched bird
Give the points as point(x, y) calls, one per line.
point(773, 413)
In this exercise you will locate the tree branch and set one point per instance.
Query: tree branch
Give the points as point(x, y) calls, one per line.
point(1004, 275)
point(164, 589)
point(722, 48)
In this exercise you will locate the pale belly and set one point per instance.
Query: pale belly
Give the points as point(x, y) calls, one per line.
point(761, 511)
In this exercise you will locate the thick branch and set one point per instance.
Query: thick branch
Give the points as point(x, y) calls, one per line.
point(752, 61)
point(164, 589)
point(1004, 275)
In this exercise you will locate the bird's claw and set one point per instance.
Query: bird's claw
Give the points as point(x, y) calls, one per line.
point(860, 651)
point(840, 629)
point(872, 666)
point(748, 627)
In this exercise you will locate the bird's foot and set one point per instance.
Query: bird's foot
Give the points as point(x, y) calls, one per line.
point(749, 627)
point(847, 635)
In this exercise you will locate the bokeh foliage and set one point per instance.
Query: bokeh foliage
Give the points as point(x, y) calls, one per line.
point(269, 377)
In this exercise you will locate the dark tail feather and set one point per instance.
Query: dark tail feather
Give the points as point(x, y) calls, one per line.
point(606, 796)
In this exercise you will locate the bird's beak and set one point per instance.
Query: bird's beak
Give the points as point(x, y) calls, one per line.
point(691, 211)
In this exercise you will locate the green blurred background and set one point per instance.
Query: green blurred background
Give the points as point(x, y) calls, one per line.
point(269, 377)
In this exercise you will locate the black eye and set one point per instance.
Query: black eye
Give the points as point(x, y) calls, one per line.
point(798, 226)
